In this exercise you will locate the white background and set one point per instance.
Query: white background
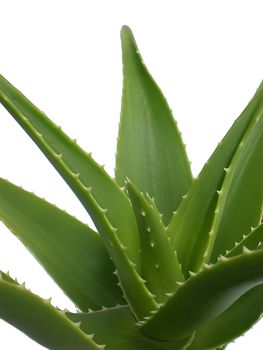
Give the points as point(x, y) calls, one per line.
point(207, 56)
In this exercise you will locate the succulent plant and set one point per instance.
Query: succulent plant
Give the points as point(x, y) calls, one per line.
point(176, 262)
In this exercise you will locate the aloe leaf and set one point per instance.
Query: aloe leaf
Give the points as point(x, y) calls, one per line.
point(72, 253)
point(40, 320)
point(106, 324)
point(140, 299)
point(232, 323)
point(7, 278)
point(160, 267)
point(106, 203)
point(75, 166)
point(251, 241)
point(206, 295)
point(190, 237)
point(241, 195)
point(150, 150)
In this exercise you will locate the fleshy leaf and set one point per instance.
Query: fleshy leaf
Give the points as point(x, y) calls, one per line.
point(116, 327)
point(232, 323)
point(160, 267)
point(190, 236)
point(70, 251)
point(7, 278)
point(38, 319)
point(106, 203)
point(253, 240)
point(241, 195)
point(135, 291)
point(75, 166)
point(205, 296)
point(150, 150)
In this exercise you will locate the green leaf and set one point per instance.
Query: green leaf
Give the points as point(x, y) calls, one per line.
point(73, 254)
point(106, 203)
point(241, 197)
point(251, 241)
point(232, 323)
point(150, 150)
point(116, 328)
point(137, 294)
point(77, 167)
point(205, 296)
point(160, 267)
point(38, 319)
point(191, 223)
point(7, 278)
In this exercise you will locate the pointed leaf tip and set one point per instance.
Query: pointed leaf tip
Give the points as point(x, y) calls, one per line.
point(125, 29)
point(154, 242)
point(150, 150)
point(127, 36)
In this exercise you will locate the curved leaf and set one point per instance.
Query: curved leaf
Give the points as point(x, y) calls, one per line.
point(205, 296)
point(106, 324)
point(75, 166)
point(40, 320)
point(150, 150)
point(106, 203)
point(241, 195)
point(232, 323)
point(191, 223)
point(70, 251)
point(160, 267)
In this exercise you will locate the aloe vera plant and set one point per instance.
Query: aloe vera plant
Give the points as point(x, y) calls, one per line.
point(176, 262)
